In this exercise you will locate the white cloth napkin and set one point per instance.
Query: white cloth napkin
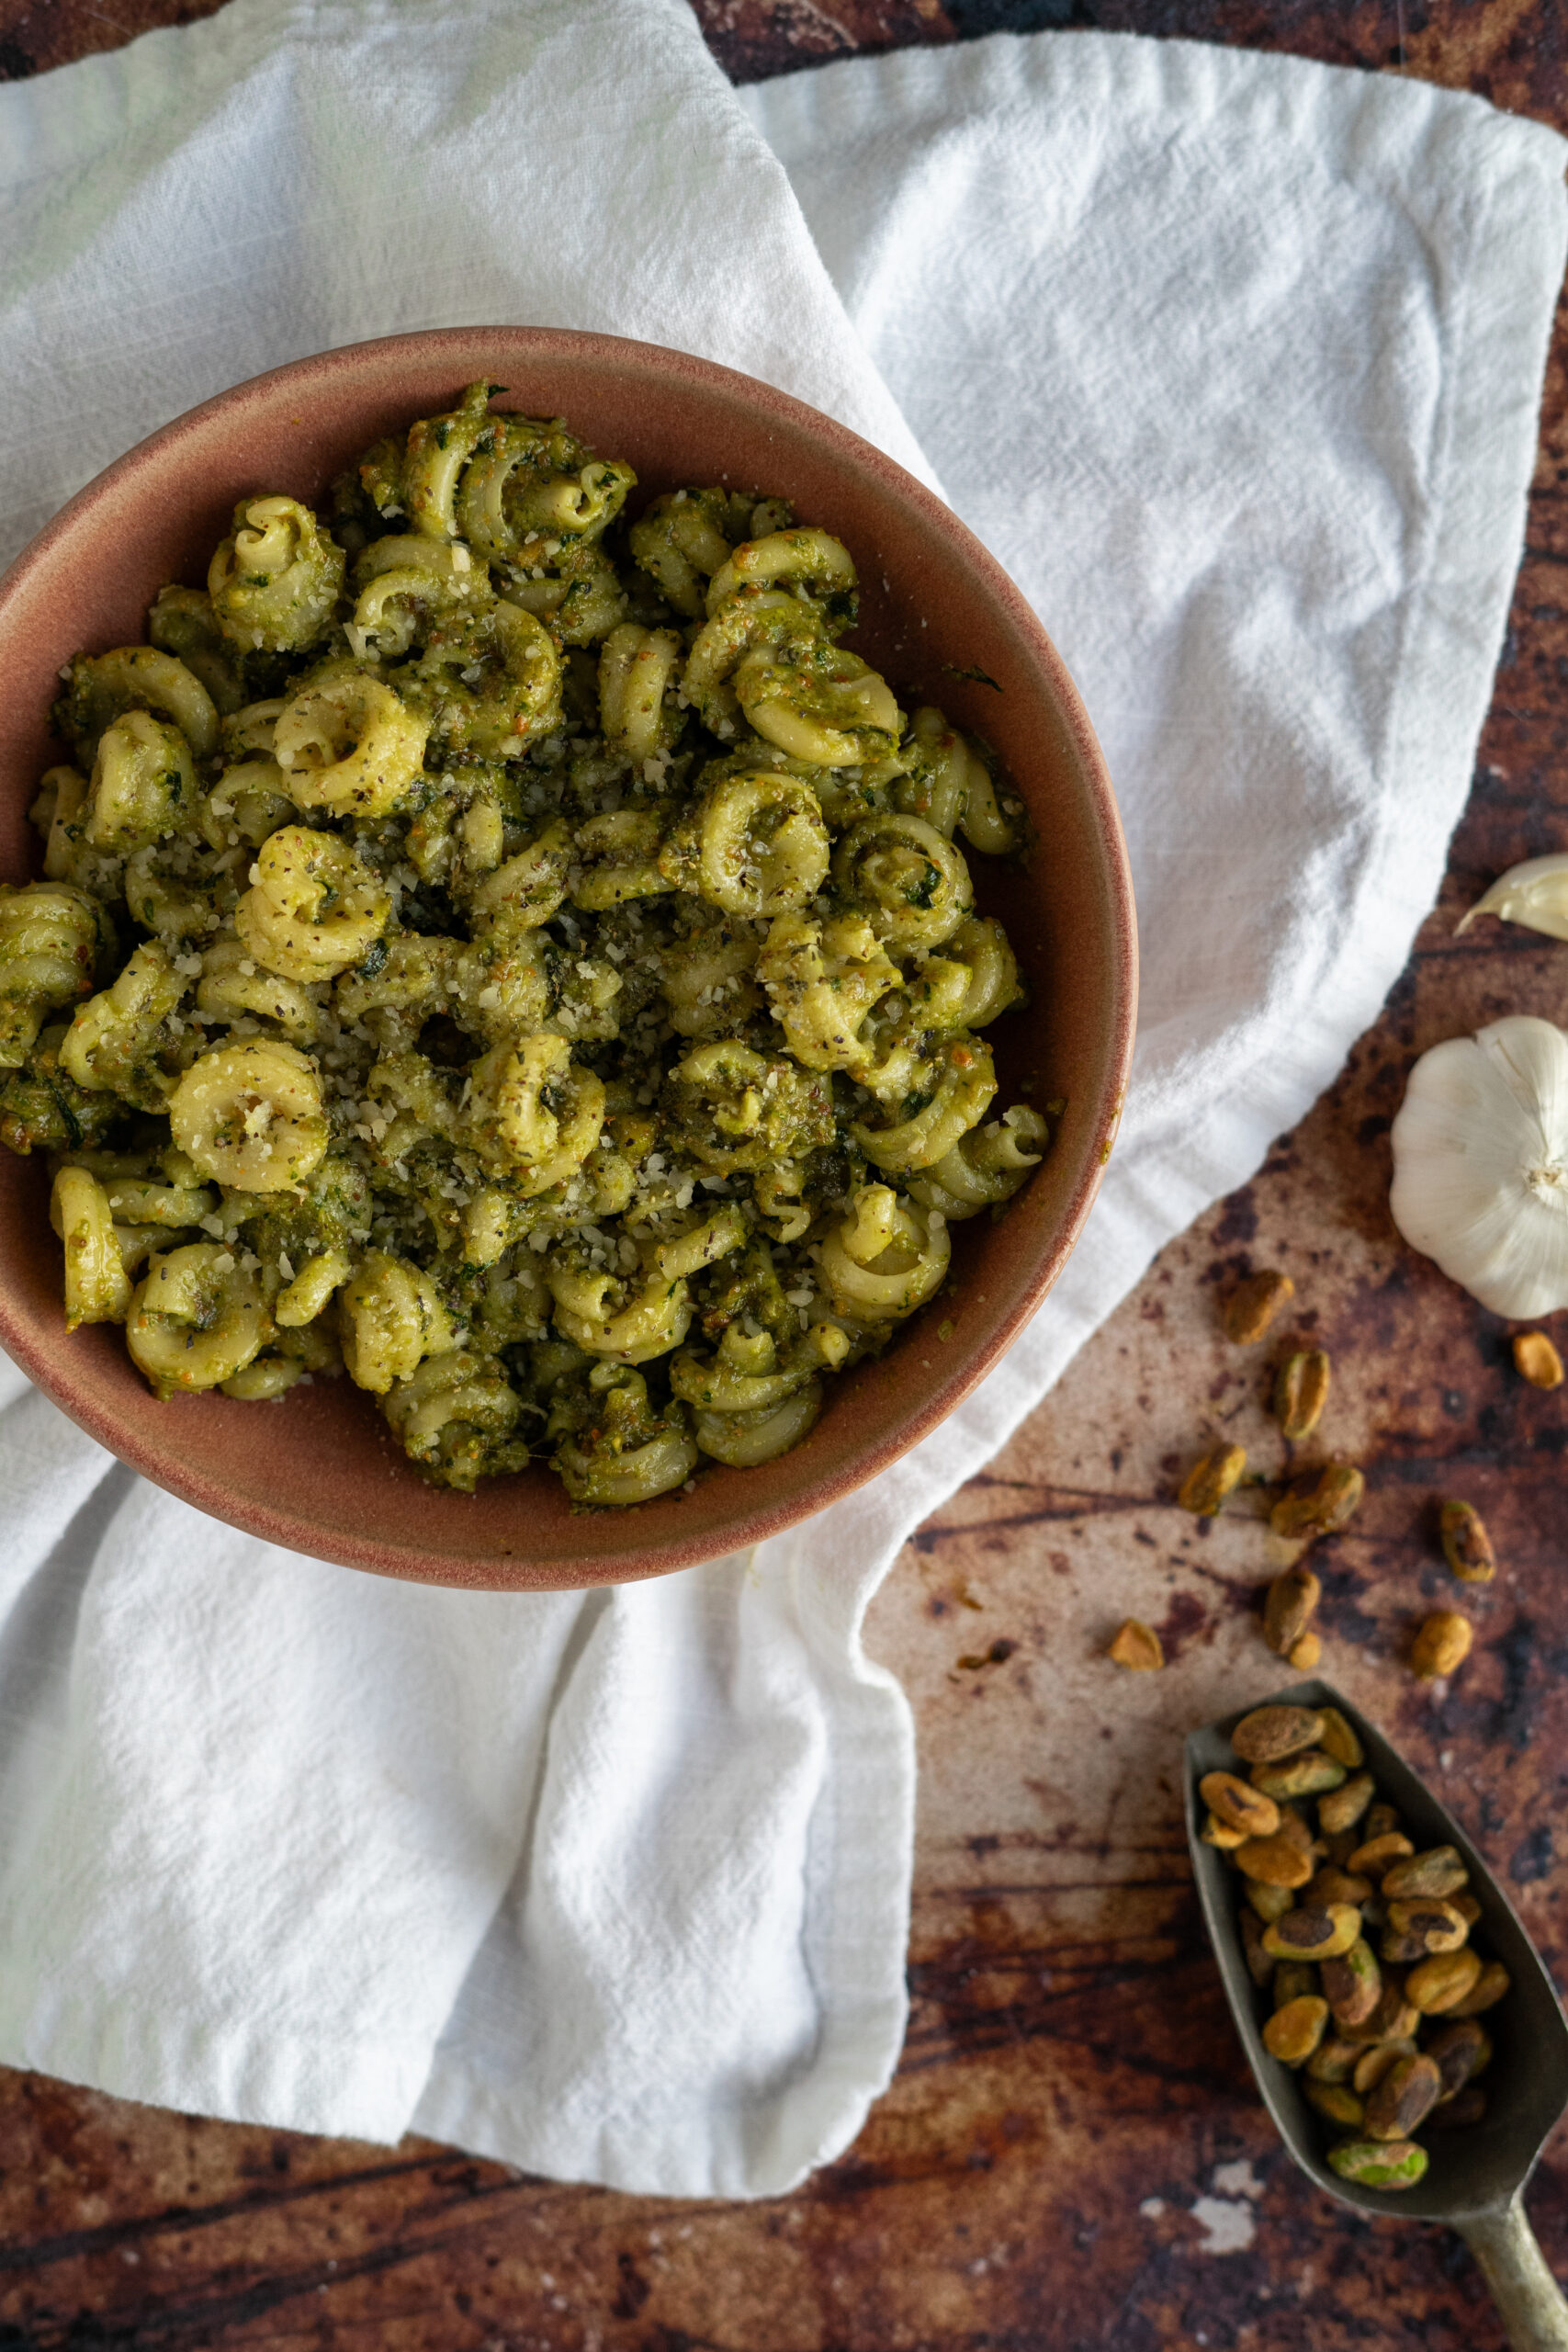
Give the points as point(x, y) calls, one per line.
point(1233, 360)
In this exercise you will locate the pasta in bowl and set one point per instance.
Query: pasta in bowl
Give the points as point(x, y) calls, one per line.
point(509, 942)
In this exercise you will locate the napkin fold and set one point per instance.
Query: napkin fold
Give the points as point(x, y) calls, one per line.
point(1234, 361)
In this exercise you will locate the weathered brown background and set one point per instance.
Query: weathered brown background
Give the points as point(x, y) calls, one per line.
point(1071, 2143)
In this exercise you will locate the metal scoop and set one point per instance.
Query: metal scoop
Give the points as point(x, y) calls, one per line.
point(1476, 2178)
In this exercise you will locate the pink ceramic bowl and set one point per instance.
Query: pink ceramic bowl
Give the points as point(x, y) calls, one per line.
point(319, 1471)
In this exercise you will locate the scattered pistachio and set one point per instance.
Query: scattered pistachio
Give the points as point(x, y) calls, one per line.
point(1467, 1906)
point(1247, 1809)
point(1441, 1645)
point(1292, 2033)
point(1269, 1901)
point(1484, 1994)
point(1352, 1982)
point(1137, 1646)
point(1373, 2064)
point(1380, 1818)
point(1219, 1834)
point(1337, 2102)
point(1301, 1391)
point(1304, 1655)
point(1288, 1607)
point(1268, 1733)
point(1306, 1775)
point(1405, 2097)
point(1437, 1872)
point(1253, 1304)
point(1210, 1480)
point(1324, 1509)
point(1467, 1547)
point(1274, 1862)
point(1314, 1934)
point(1379, 2163)
point(1437, 1985)
point(1379, 1854)
point(1341, 1809)
point(1339, 1740)
point(1537, 1359)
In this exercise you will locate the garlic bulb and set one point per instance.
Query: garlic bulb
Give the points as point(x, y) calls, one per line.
point(1535, 893)
point(1481, 1164)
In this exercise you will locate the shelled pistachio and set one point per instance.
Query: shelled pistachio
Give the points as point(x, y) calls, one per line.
point(1359, 1943)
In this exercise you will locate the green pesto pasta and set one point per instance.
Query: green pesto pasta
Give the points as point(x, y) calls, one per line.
point(497, 943)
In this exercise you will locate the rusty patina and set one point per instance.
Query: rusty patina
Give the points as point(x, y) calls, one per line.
point(1071, 2155)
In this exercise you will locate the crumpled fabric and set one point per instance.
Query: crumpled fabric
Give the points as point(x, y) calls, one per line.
point(1234, 361)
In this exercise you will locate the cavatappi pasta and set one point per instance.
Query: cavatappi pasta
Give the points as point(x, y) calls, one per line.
point(515, 955)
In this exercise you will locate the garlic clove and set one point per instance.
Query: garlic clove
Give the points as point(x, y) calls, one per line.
point(1535, 893)
point(1481, 1164)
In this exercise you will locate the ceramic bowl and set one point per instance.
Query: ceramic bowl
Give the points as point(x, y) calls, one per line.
point(317, 1471)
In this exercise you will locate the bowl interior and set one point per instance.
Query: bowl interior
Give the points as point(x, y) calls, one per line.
point(318, 1470)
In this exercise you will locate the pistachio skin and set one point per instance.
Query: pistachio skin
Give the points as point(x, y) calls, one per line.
point(1352, 1983)
point(1373, 2063)
point(1136, 1646)
point(1308, 1774)
point(1238, 1804)
point(1253, 1304)
point(1537, 1359)
point(1274, 1862)
point(1438, 1871)
point(1461, 2050)
point(1335, 2059)
point(1343, 1807)
point(1210, 1479)
point(1379, 2163)
point(1439, 1984)
point(1324, 1509)
point(1434, 1924)
point(1338, 1739)
point(1269, 1733)
point(1337, 2102)
point(1467, 1547)
point(1441, 1645)
point(1400, 2102)
point(1288, 1607)
point(1269, 1902)
point(1314, 1934)
point(1484, 1994)
point(1292, 2033)
point(1301, 1391)
point(1379, 1854)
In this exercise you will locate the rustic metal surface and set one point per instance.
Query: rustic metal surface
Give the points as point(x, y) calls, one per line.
point(1071, 2155)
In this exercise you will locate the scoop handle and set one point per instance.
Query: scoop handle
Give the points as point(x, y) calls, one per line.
point(1531, 2302)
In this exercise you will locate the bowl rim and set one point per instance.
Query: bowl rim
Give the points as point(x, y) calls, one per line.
point(277, 1522)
